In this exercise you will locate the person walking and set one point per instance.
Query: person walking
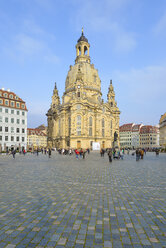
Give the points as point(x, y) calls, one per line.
point(83, 154)
point(13, 153)
point(49, 153)
point(110, 155)
point(137, 155)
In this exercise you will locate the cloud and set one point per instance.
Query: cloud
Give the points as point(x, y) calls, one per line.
point(30, 42)
point(27, 44)
point(145, 84)
point(160, 27)
point(105, 17)
point(139, 92)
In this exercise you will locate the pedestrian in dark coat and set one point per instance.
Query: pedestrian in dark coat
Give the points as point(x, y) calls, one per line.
point(110, 156)
point(49, 153)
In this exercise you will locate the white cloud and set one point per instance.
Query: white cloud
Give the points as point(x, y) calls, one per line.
point(104, 16)
point(160, 27)
point(27, 44)
point(144, 85)
point(141, 94)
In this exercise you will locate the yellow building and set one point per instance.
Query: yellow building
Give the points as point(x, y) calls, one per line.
point(162, 128)
point(82, 118)
point(36, 138)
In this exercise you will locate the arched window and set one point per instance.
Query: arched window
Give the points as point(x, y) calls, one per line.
point(90, 126)
point(79, 50)
point(103, 127)
point(59, 127)
point(78, 125)
point(85, 50)
point(69, 126)
point(111, 128)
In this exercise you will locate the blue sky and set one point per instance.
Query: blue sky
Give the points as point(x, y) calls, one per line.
point(128, 45)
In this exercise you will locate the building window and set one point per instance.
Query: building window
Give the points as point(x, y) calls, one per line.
point(1, 138)
point(78, 94)
point(17, 130)
point(23, 113)
point(23, 130)
point(6, 129)
point(12, 104)
point(78, 125)
point(0, 118)
point(6, 138)
point(1, 101)
point(22, 139)
point(17, 104)
point(0, 109)
point(103, 127)
point(12, 111)
point(18, 138)
point(69, 125)
point(12, 120)
point(6, 111)
point(111, 127)
point(59, 130)
point(6, 102)
point(78, 106)
point(23, 106)
point(5, 94)
point(11, 96)
point(18, 112)
point(18, 121)
point(12, 138)
point(12, 129)
point(23, 121)
point(0, 128)
point(6, 119)
point(90, 126)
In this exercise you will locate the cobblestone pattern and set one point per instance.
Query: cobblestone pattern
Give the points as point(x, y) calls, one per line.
point(64, 202)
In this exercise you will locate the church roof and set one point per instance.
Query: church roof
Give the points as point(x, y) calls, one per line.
point(82, 38)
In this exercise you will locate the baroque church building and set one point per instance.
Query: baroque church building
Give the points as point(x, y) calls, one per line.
point(83, 118)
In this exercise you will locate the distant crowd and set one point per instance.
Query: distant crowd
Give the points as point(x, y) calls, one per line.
point(113, 153)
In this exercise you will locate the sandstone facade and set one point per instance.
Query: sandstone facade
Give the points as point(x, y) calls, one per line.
point(82, 118)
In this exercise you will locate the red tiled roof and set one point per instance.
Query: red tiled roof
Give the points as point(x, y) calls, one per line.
point(11, 97)
point(126, 127)
point(148, 129)
point(35, 131)
point(136, 127)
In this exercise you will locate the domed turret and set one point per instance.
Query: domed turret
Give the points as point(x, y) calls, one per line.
point(82, 49)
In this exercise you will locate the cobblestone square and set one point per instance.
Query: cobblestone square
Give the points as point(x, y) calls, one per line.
point(65, 202)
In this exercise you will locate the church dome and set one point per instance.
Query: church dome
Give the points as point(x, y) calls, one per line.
point(82, 38)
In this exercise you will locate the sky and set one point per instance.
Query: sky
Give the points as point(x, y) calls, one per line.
point(127, 44)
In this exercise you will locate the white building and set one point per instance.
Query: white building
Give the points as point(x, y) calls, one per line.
point(138, 135)
point(135, 135)
point(13, 121)
point(125, 133)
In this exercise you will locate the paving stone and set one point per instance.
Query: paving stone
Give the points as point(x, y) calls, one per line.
point(64, 202)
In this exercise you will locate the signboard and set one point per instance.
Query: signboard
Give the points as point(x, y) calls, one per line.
point(96, 146)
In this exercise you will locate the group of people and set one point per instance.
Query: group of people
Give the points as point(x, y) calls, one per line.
point(81, 153)
point(112, 153)
point(139, 154)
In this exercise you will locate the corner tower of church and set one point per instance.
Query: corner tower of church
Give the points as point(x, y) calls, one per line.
point(82, 118)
